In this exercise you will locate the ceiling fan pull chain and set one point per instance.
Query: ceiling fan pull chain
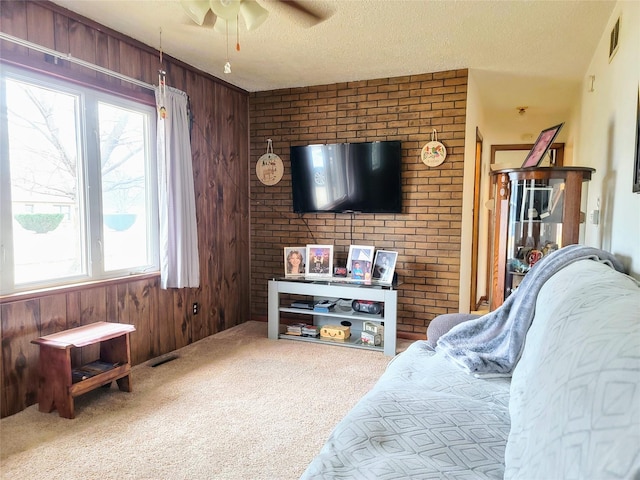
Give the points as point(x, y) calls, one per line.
point(227, 66)
point(162, 82)
point(237, 35)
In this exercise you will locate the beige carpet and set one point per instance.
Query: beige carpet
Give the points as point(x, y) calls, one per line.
point(235, 405)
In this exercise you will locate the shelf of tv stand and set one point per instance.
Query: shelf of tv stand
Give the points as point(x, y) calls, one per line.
point(334, 313)
point(335, 289)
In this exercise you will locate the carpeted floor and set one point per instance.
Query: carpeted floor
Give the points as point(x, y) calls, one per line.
point(235, 405)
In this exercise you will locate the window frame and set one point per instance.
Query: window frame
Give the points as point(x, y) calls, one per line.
point(90, 96)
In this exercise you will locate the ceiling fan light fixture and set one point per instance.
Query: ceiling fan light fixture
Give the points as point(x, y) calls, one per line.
point(253, 13)
point(225, 9)
point(196, 9)
point(224, 26)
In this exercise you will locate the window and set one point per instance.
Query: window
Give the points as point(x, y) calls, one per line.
point(78, 170)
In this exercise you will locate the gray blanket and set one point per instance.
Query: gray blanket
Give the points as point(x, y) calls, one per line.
point(493, 343)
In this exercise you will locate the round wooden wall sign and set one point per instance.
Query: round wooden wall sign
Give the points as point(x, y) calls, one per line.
point(269, 169)
point(434, 152)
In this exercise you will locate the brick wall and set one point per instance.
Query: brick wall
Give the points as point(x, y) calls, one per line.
point(426, 235)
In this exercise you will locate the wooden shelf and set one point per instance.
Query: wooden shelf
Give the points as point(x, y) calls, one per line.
point(99, 380)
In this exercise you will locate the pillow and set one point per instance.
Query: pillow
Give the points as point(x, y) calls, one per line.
point(443, 323)
point(575, 394)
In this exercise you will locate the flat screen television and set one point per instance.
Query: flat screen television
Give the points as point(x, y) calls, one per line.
point(347, 177)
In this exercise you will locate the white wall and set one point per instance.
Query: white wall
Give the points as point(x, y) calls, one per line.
point(599, 132)
point(474, 118)
point(606, 139)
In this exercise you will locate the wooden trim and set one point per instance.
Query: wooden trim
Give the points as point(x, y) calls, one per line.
point(75, 287)
point(411, 336)
point(559, 147)
point(477, 181)
point(44, 67)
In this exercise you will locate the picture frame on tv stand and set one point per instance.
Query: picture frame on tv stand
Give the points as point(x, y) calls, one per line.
point(319, 261)
point(541, 146)
point(363, 254)
point(384, 266)
point(294, 261)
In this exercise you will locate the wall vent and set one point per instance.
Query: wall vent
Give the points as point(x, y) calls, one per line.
point(614, 39)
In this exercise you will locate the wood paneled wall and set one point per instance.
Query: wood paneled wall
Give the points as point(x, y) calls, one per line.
point(220, 144)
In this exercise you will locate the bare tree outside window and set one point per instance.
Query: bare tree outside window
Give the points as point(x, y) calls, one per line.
point(62, 145)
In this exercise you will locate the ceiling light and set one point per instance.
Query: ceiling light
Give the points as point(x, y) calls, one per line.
point(196, 9)
point(226, 9)
point(251, 11)
point(254, 15)
point(224, 27)
point(227, 67)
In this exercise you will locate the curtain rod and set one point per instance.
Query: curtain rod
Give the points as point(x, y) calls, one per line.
point(68, 57)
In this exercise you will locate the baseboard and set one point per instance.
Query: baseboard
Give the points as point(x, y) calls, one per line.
point(412, 336)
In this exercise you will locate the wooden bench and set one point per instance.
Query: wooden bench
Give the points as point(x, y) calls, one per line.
point(60, 383)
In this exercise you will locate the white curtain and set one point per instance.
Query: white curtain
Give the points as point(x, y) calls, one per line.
point(179, 262)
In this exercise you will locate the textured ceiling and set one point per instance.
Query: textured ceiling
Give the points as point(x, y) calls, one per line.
point(523, 47)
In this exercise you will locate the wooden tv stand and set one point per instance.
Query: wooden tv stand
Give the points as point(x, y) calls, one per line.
point(57, 388)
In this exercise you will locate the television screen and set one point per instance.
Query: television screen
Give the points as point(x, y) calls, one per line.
point(347, 177)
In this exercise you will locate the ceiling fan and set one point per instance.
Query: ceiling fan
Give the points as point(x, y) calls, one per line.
point(250, 11)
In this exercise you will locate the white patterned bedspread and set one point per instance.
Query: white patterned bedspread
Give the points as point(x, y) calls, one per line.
point(425, 418)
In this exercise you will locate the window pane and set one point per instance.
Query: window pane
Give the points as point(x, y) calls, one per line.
point(124, 153)
point(45, 180)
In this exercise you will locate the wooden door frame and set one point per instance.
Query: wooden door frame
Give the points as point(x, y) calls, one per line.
point(477, 182)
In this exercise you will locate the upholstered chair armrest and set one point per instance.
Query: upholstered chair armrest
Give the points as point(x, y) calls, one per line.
point(443, 323)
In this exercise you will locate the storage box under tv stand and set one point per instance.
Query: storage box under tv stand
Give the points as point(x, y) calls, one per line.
point(334, 288)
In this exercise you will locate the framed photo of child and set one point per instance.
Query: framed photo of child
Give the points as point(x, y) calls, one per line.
point(319, 261)
point(360, 261)
point(384, 266)
point(294, 261)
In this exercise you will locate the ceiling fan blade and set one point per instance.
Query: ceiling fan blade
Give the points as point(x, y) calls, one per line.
point(310, 16)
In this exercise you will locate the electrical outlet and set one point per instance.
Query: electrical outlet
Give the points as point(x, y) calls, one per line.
point(196, 308)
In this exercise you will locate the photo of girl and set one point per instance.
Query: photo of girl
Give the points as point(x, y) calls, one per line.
point(294, 261)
